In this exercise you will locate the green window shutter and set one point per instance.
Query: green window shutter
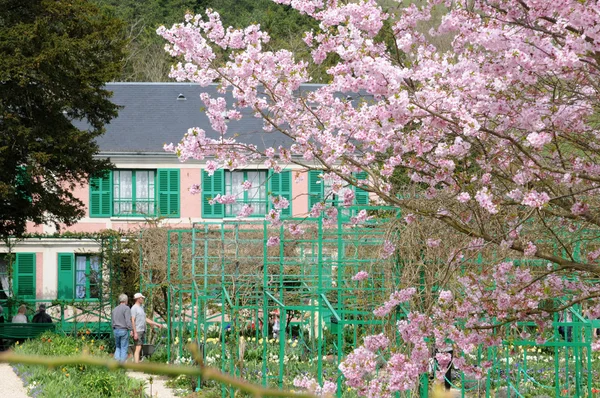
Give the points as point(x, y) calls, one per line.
point(361, 197)
point(315, 188)
point(101, 195)
point(66, 276)
point(211, 187)
point(281, 185)
point(168, 192)
point(24, 280)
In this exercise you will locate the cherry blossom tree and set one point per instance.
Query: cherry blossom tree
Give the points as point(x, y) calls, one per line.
point(497, 138)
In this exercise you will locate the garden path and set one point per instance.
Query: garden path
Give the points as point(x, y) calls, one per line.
point(10, 384)
point(158, 388)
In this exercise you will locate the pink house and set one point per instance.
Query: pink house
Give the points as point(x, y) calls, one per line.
point(149, 183)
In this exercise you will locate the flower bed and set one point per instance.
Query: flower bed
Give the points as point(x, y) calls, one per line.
point(74, 380)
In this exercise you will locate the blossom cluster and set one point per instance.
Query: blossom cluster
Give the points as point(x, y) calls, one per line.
point(495, 129)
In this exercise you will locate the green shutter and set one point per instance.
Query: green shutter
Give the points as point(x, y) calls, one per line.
point(24, 280)
point(101, 195)
point(281, 185)
point(361, 197)
point(211, 187)
point(315, 188)
point(66, 276)
point(168, 192)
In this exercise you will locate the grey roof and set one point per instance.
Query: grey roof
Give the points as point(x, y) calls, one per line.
point(152, 115)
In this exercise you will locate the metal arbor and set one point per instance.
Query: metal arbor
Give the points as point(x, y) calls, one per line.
point(228, 282)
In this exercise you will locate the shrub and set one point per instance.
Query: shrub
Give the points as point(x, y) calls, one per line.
point(73, 380)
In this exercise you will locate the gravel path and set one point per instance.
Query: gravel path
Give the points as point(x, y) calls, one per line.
point(10, 384)
point(159, 389)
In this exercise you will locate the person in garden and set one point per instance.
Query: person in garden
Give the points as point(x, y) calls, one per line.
point(121, 324)
point(139, 320)
point(41, 316)
point(276, 325)
point(20, 317)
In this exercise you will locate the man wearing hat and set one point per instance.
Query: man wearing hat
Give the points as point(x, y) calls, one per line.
point(139, 320)
point(41, 316)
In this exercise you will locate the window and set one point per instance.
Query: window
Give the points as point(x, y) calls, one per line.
point(256, 196)
point(87, 276)
point(5, 290)
point(264, 184)
point(23, 276)
point(79, 276)
point(135, 193)
point(319, 189)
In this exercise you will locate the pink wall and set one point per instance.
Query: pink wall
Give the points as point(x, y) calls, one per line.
point(85, 227)
point(83, 194)
point(39, 275)
point(190, 204)
point(33, 228)
point(299, 194)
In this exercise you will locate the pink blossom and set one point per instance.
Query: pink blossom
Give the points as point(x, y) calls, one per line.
point(247, 185)
point(211, 167)
point(484, 198)
point(296, 230)
point(361, 217)
point(579, 208)
point(388, 249)
point(538, 140)
point(535, 199)
point(445, 297)
point(279, 202)
point(360, 276)
point(195, 189)
point(273, 241)
point(463, 197)
point(246, 211)
point(273, 216)
point(530, 249)
point(377, 342)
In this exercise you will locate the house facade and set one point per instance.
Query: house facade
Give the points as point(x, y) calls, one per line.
point(147, 184)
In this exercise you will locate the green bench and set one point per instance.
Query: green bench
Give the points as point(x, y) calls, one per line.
point(24, 330)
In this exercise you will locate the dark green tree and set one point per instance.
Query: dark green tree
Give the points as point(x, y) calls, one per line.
point(55, 58)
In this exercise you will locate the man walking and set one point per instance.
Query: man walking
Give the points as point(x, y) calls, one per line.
point(121, 324)
point(41, 316)
point(139, 320)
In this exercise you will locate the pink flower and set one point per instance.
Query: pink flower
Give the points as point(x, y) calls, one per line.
point(463, 197)
point(296, 230)
point(273, 217)
point(538, 140)
point(536, 199)
point(360, 276)
point(530, 249)
point(388, 249)
point(377, 342)
point(579, 208)
point(279, 202)
point(195, 189)
point(211, 167)
point(246, 211)
point(273, 241)
point(246, 185)
point(445, 297)
point(484, 198)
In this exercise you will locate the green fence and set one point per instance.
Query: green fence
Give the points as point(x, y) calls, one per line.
point(227, 287)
